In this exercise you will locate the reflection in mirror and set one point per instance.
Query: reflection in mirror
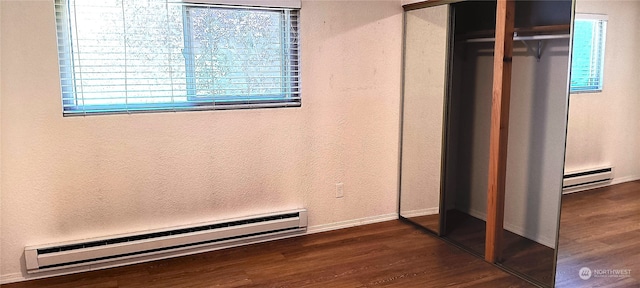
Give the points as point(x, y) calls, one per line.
point(425, 63)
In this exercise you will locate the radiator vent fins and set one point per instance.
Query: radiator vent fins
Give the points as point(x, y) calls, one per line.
point(585, 178)
point(163, 234)
point(118, 250)
point(161, 249)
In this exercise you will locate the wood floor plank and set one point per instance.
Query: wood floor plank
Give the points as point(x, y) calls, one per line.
point(388, 254)
point(519, 253)
point(600, 229)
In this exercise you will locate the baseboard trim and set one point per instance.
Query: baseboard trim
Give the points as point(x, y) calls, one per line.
point(12, 278)
point(615, 181)
point(625, 179)
point(351, 223)
point(420, 212)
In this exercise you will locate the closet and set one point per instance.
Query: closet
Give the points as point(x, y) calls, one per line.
point(503, 107)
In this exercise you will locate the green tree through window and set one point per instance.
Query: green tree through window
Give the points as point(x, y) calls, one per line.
point(160, 55)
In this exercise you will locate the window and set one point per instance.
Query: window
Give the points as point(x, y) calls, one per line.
point(124, 56)
point(588, 53)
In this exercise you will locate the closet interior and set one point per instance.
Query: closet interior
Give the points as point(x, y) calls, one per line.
point(449, 144)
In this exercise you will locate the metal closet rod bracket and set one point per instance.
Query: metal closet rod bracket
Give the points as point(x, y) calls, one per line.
point(537, 51)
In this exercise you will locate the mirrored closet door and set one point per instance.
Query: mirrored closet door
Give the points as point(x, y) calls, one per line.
point(423, 111)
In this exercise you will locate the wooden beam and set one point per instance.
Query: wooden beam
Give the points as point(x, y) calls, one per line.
point(499, 128)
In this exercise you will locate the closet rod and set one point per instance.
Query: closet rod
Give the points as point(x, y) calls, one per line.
point(522, 38)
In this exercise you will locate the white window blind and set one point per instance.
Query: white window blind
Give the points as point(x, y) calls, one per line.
point(587, 62)
point(125, 56)
point(252, 3)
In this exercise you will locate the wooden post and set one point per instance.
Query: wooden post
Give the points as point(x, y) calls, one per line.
point(499, 128)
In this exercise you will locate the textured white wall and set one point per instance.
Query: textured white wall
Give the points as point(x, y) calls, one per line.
point(604, 128)
point(537, 130)
point(69, 178)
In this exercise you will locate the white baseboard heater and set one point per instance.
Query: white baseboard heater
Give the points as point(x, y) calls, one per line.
point(124, 249)
point(582, 178)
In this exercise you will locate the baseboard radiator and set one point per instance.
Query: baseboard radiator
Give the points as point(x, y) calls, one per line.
point(578, 179)
point(124, 249)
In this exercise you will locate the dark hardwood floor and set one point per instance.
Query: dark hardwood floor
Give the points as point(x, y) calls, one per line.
point(431, 222)
point(466, 230)
point(600, 230)
point(389, 254)
point(519, 254)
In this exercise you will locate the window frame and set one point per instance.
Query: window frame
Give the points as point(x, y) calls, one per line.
point(599, 45)
point(70, 91)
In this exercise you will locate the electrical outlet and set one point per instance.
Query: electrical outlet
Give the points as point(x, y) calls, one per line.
point(339, 190)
